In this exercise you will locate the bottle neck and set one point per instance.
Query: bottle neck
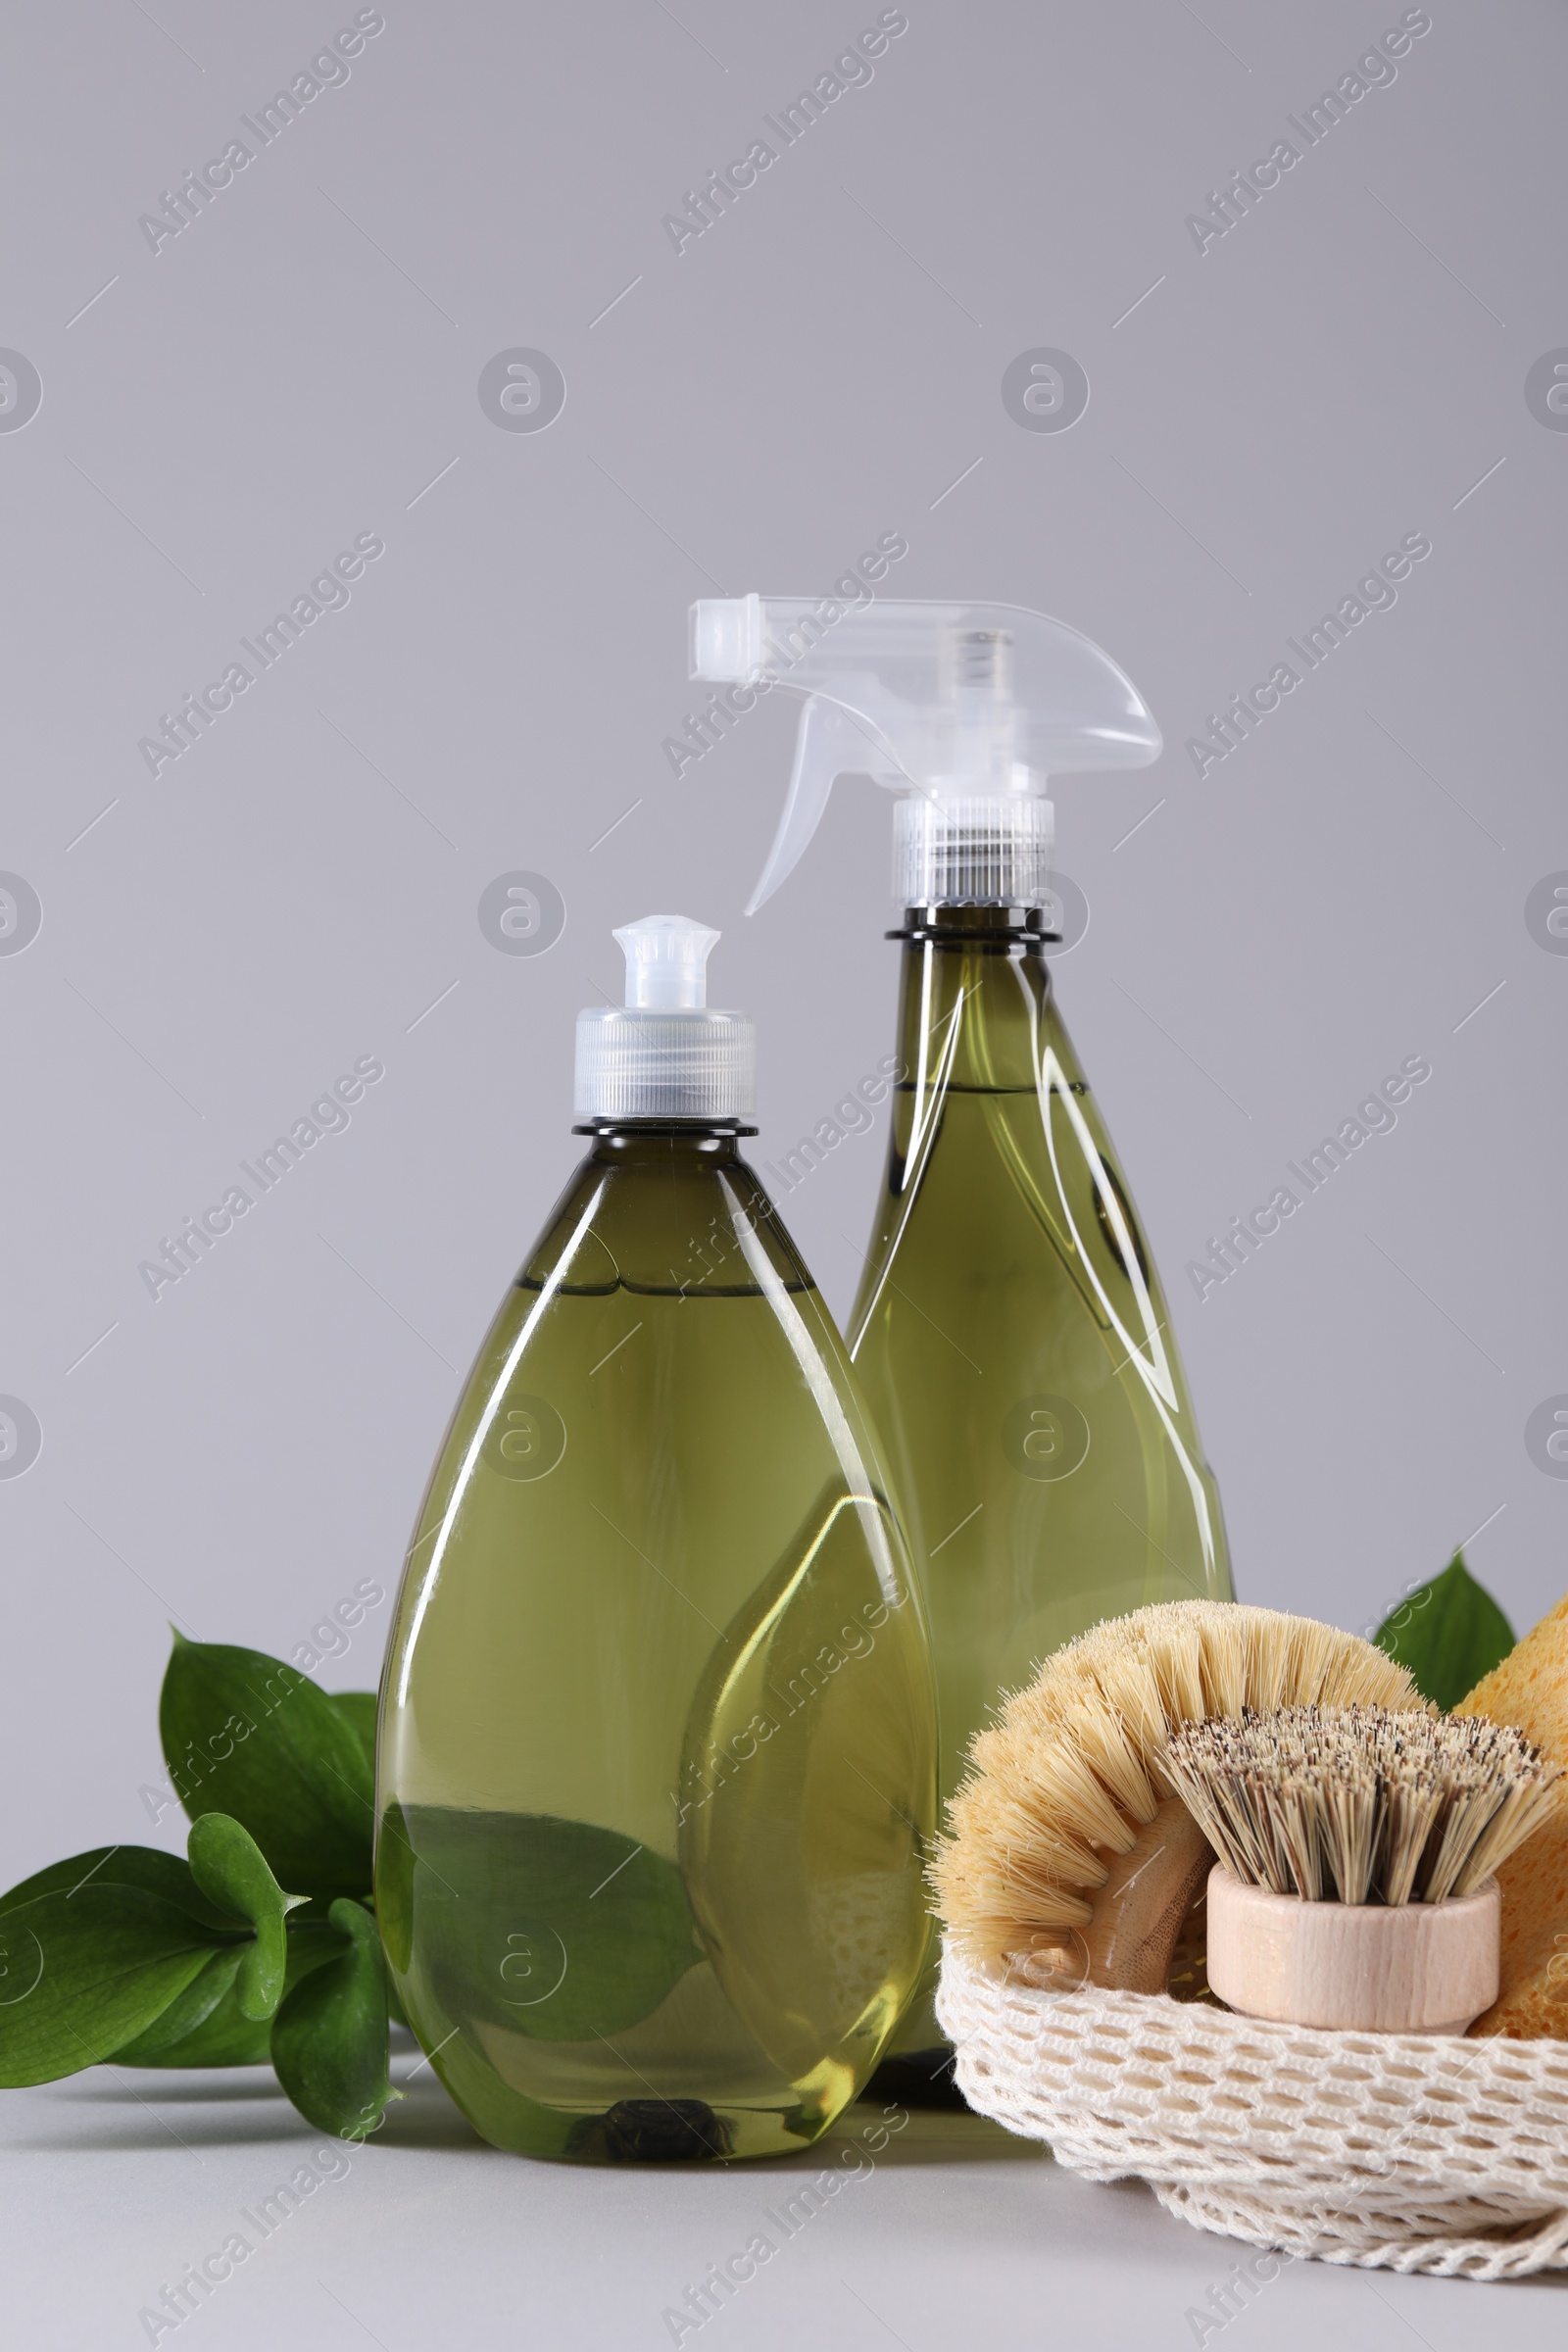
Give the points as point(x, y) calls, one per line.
point(666, 1207)
point(951, 925)
point(696, 1145)
point(975, 1000)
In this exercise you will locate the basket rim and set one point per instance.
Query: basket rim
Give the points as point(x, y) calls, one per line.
point(1541, 2054)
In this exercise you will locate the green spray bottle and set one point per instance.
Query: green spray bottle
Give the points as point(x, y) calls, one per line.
point(1010, 1334)
point(655, 1764)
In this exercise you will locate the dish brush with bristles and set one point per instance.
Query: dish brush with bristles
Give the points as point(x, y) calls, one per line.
point(1359, 1806)
point(1070, 1853)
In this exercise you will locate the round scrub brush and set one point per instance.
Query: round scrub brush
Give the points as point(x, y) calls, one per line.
point(1071, 1854)
point(1354, 1883)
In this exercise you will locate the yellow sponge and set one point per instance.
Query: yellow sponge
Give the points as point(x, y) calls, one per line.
point(1531, 1689)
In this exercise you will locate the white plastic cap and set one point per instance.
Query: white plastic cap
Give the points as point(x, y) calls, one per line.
point(972, 849)
point(667, 1054)
point(666, 963)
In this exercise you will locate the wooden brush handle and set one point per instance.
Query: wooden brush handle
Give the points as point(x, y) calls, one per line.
point(1140, 1909)
point(1413, 1968)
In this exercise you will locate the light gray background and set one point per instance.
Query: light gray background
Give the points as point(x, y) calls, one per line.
point(300, 889)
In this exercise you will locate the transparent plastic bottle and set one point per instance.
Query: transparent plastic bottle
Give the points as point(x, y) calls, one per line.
point(1010, 1336)
point(655, 1767)
point(1014, 1348)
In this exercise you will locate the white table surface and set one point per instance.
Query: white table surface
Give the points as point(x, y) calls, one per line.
point(955, 2236)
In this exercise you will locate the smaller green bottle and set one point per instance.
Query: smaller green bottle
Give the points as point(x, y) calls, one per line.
point(656, 1771)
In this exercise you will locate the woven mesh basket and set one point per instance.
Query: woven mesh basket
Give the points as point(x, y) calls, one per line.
point(1406, 2152)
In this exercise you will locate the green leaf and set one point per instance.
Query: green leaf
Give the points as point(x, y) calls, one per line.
point(1449, 1634)
point(555, 1929)
point(231, 1869)
point(87, 1972)
point(187, 2013)
point(329, 2039)
point(168, 1876)
point(358, 1708)
point(246, 1735)
point(225, 2036)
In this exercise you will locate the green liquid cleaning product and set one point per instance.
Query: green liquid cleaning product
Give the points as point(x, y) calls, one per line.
point(656, 1749)
point(1010, 1334)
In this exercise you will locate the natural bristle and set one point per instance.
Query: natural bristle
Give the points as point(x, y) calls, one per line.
point(1075, 1765)
point(1359, 1804)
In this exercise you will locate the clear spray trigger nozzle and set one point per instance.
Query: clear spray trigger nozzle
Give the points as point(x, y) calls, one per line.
point(966, 711)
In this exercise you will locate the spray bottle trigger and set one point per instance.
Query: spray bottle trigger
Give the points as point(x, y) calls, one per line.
point(833, 741)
